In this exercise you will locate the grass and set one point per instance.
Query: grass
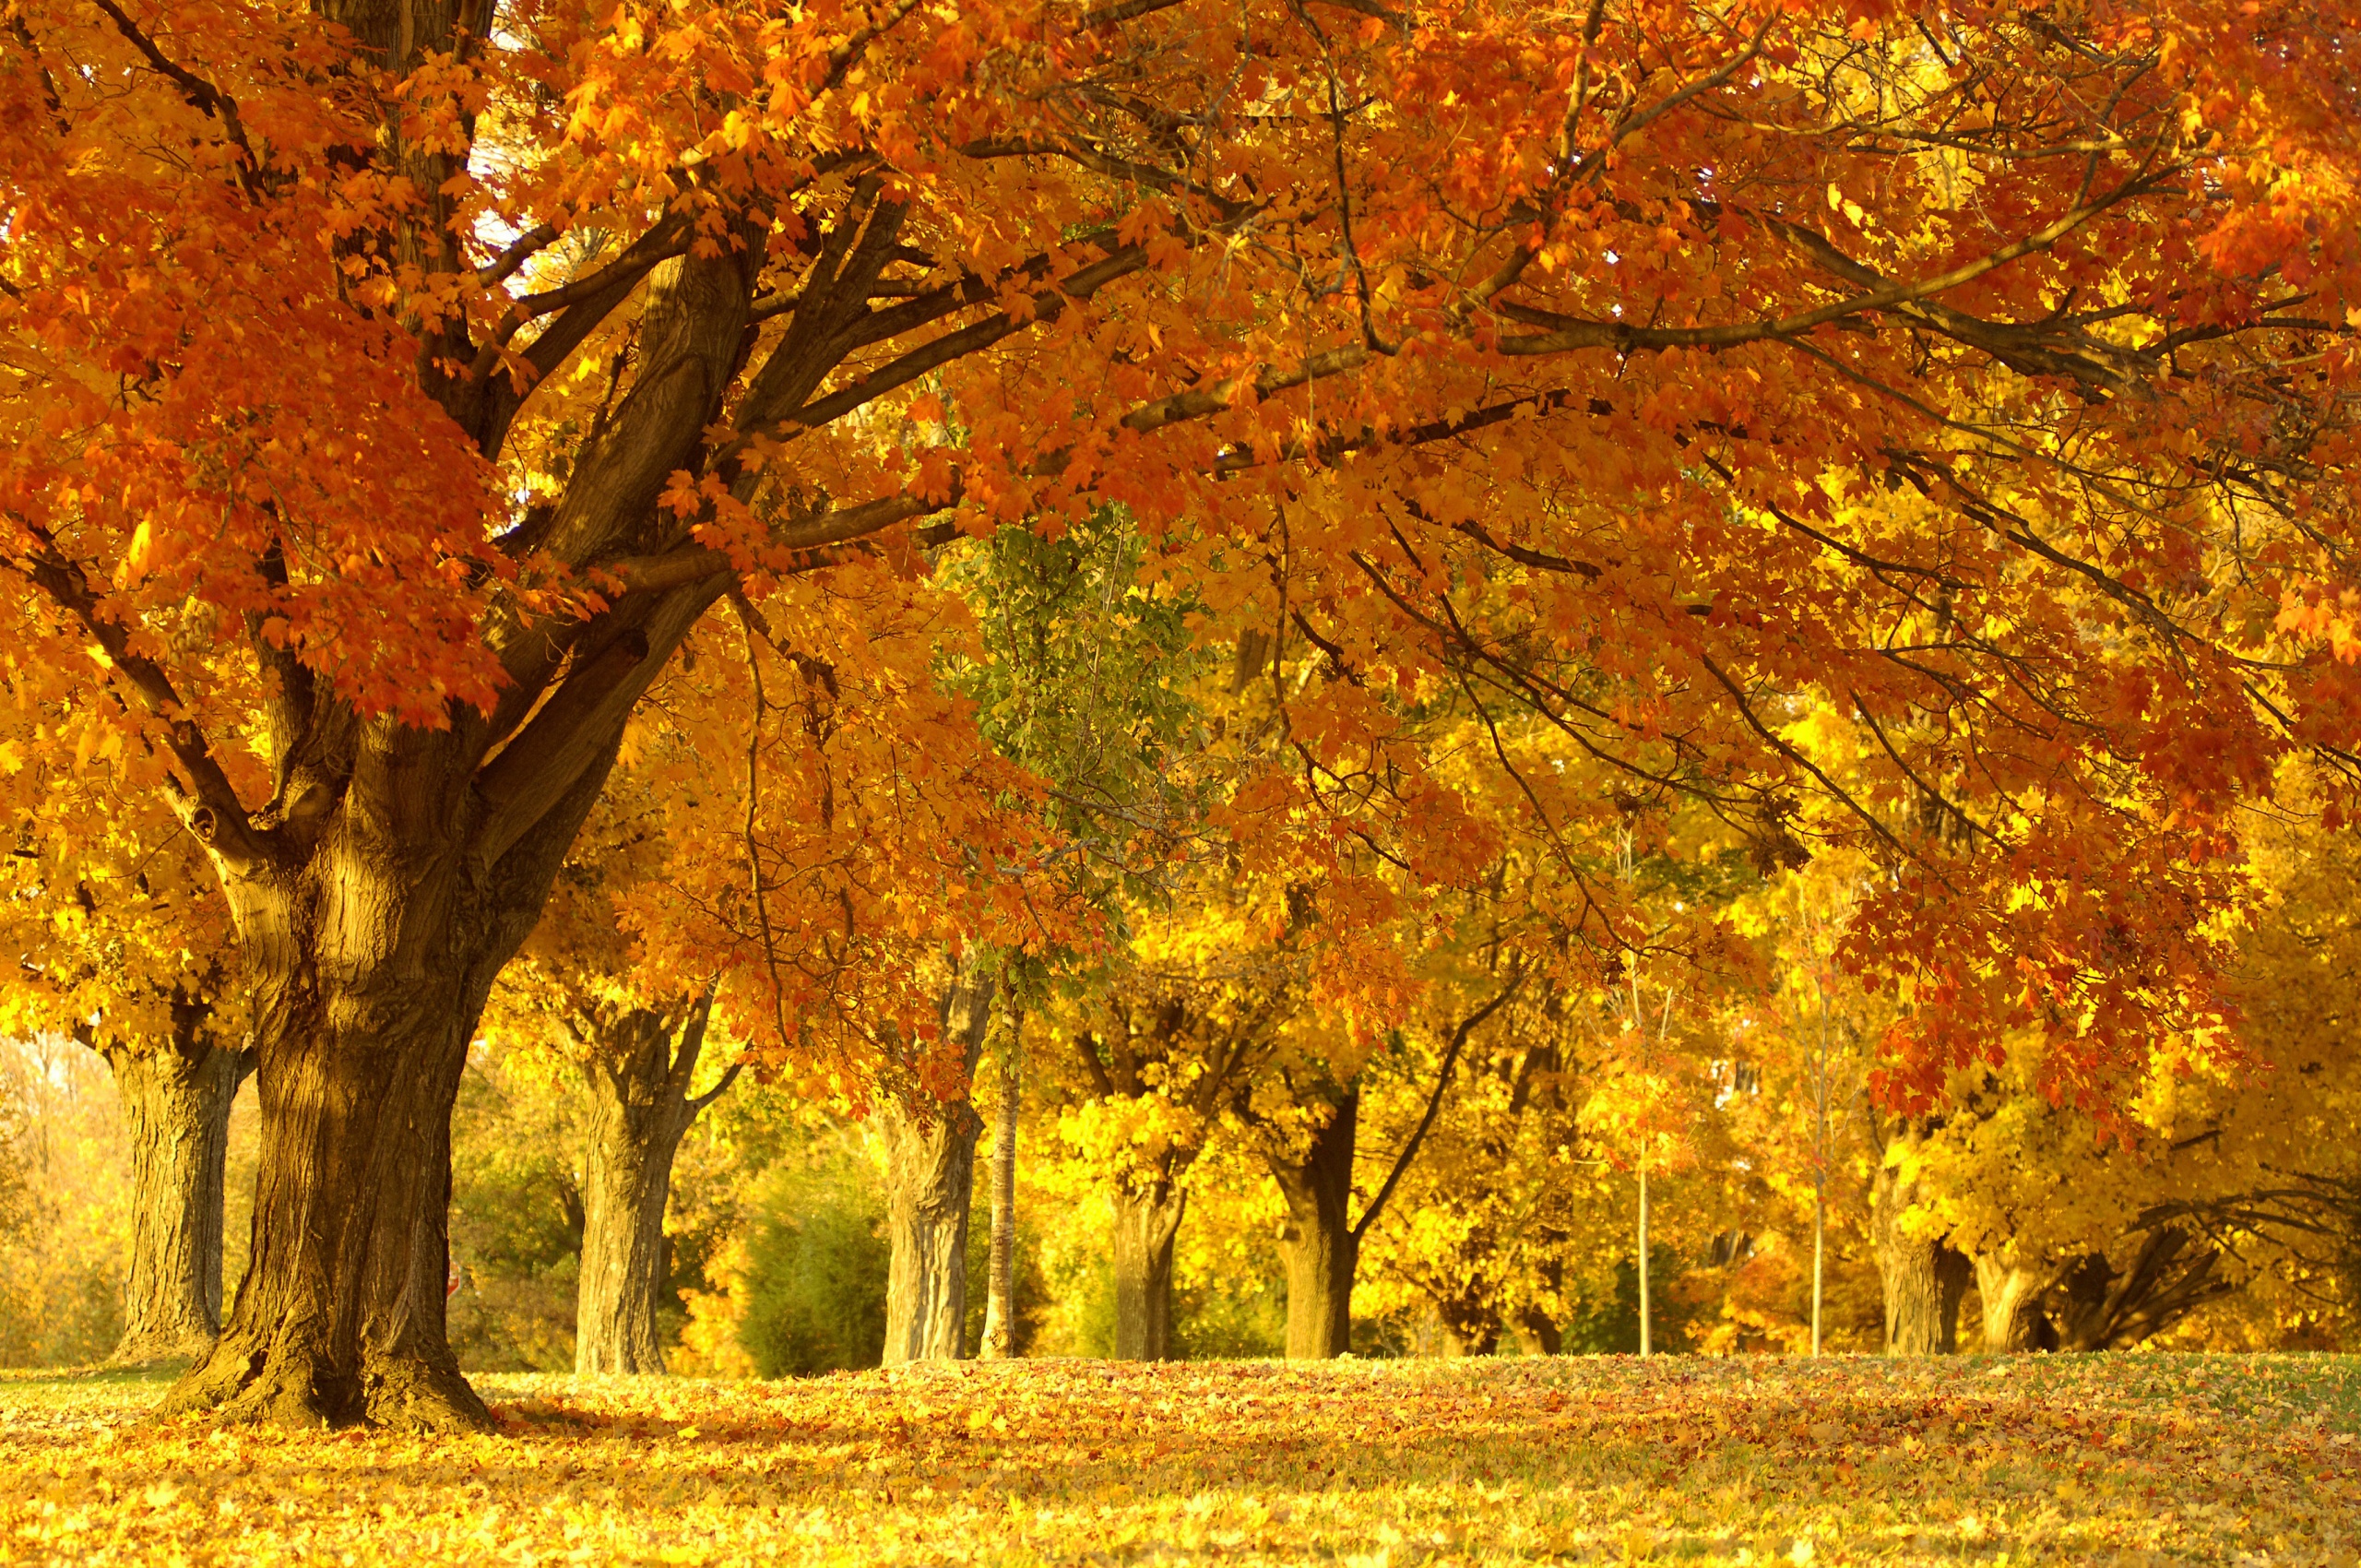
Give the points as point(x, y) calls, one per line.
point(2135, 1460)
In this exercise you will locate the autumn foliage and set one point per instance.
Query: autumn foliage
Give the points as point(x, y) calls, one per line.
point(1315, 554)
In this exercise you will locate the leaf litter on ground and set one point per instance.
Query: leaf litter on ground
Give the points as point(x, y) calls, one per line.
point(2129, 1458)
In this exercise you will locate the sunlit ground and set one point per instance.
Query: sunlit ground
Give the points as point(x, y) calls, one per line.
point(2124, 1459)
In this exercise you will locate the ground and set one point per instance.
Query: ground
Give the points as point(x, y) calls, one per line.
point(2139, 1458)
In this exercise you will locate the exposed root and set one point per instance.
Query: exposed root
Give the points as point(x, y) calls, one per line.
point(283, 1387)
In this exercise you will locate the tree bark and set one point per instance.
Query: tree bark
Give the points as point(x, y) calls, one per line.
point(929, 1188)
point(1000, 1300)
point(1924, 1279)
point(1147, 1220)
point(2014, 1321)
point(370, 960)
point(1321, 1247)
point(1539, 1333)
point(176, 1096)
point(641, 1108)
point(2101, 1306)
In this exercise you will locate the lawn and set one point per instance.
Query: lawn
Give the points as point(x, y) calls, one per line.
point(2130, 1458)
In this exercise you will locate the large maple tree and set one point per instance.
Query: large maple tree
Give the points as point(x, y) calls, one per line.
point(391, 387)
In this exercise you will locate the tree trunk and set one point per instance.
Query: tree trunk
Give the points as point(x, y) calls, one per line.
point(1925, 1279)
point(1539, 1333)
point(1468, 1328)
point(1147, 1219)
point(640, 1110)
point(176, 1096)
point(2013, 1315)
point(1321, 1251)
point(1000, 1300)
point(370, 959)
point(340, 1318)
point(930, 1187)
point(2104, 1308)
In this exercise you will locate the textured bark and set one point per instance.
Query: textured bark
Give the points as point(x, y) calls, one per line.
point(2102, 1307)
point(370, 959)
point(1147, 1219)
point(641, 1108)
point(1924, 1279)
point(1319, 1242)
point(2014, 1321)
point(929, 1189)
point(176, 1096)
point(999, 1299)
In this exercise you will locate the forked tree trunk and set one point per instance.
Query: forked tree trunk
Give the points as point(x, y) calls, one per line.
point(1147, 1219)
point(929, 1188)
point(370, 959)
point(1000, 1299)
point(2011, 1295)
point(1924, 1279)
point(641, 1108)
point(176, 1096)
point(1319, 1242)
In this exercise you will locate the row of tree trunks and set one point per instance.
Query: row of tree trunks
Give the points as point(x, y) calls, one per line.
point(930, 1187)
point(640, 1110)
point(176, 1097)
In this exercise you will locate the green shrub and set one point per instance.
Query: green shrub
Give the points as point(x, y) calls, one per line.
point(816, 1260)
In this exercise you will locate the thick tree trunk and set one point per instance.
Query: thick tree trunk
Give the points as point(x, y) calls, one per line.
point(176, 1096)
point(370, 959)
point(640, 1110)
point(1146, 1222)
point(1925, 1279)
point(1538, 1333)
point(2013, 1322)
point(1321, 1248)
point(340, 1318)
point(929, 1188)
point(999, 1299)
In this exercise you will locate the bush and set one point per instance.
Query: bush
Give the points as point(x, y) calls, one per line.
point(816, 1261)
point(515, 1214)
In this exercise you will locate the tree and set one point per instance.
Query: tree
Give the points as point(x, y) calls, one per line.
point(120, 940)
point(1308, 1126)
point(398, 390)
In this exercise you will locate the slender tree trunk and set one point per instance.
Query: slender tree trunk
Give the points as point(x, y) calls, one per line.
point(1818, 1252)
point(641, 1108)
point(176, 1096)
point(1000, 1300)
point(1924, 1279)
point(2011, 1295)
point(1647, 1343)
point(930, 1187)
point(1321, 1248)
point(1146, 1221)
